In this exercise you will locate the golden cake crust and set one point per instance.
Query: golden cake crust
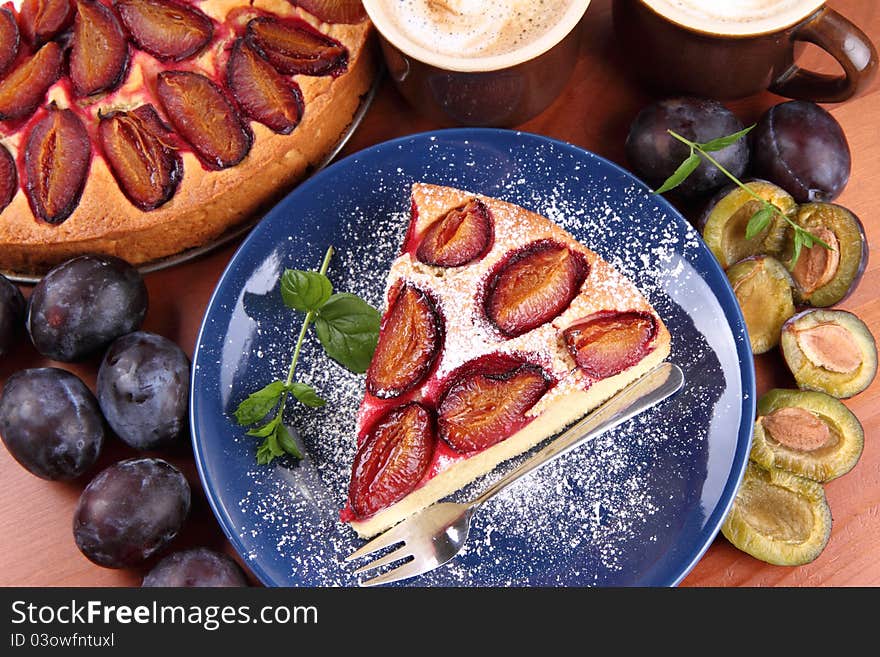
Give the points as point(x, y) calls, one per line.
point(468, 337)
point(206, 203)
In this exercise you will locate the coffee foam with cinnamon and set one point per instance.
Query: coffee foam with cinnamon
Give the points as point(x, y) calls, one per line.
point(735, 17)
point(472, 29)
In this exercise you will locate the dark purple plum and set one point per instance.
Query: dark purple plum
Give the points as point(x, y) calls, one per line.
point(199, 567)
point(82, 305)
point(50, 423)
point(654, 154)
point(143, 389)
point(802, 148)
point(130, 511)
point(12, 307)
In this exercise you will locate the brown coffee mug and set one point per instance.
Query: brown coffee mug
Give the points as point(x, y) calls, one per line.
point(676, 58)
point(501, 91)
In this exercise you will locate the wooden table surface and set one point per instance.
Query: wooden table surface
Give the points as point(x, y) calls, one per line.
point(594, 112)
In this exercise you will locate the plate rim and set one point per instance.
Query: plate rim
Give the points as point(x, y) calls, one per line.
point(712, 525)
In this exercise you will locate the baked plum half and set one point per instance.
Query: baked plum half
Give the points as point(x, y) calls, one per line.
point(762, 286)
point(808, 433)
point(409, 342)
point(824, 277)
point(829, 351)
point(393, 458)
point(484, 407)
point(533, 285)
point(724, 222)
point(802, 148)
point(778, 517)
point(608, 342)
point(458, 237)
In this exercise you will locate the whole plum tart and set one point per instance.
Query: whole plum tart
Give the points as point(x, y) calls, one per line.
point(143, 128)
point(500, 329)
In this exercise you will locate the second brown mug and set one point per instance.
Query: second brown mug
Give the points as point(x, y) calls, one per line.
point(674, 55)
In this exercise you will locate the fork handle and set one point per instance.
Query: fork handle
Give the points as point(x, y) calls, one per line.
point(661, 382)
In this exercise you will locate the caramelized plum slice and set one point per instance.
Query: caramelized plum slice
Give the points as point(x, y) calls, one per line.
point(24, 89)
point(480, 410)
point(334, 11)
point(392, 459)
point(261, 91)
point(459, 237)
point(808, 433)
point(727, 216)
point(408, 345)
point(762, 286)
point(56, 162)
point(138, 153)
point(533, 286)
point(608, 342)
point(166, 29)
point(10, 39)
point(99, 50)
point(829, 351)
point(43, 20)
point(204, 117)
point(825, 277)
point(778, 517)
point(8, 178)
point(294, 47)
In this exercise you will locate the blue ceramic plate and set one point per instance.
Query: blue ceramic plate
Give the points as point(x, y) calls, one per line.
point(638, 506)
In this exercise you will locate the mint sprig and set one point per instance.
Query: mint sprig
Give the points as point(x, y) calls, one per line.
point(761, 219)
point(347, 328)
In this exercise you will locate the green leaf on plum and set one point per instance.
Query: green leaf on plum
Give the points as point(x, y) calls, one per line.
point(684, 169)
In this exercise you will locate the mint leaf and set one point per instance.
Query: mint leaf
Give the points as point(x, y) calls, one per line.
point(269, 449)
point(798, 243)
point(723, 142)
point(305, 290)
point(348, 329)
point(285, 441)
point(759, 221)
point(267, 429)
point(684, 169)
point(258, 404)
point(264, 453)
point(307, 395)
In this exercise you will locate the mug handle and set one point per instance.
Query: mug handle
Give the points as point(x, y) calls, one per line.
point(841, 39)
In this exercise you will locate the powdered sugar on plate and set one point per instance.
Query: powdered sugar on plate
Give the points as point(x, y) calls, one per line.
point(623, 509)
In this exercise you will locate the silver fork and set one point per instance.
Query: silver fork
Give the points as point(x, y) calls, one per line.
point(437, 533)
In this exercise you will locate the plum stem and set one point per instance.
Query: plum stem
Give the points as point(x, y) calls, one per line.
point(299, 342)
point(803, 236)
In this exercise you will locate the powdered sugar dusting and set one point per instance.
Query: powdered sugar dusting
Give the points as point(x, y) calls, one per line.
point(610, 512)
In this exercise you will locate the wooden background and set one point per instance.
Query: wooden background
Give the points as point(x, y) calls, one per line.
point(594, 112)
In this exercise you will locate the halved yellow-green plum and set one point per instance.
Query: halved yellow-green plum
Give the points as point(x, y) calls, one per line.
point(778, 517)
point(809, 433)
point(824, 277)
point(829, 351)
point(762, 286)
point(723, 224)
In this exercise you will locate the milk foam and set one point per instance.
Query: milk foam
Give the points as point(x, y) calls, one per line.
point(736, 17)
point(474, 28)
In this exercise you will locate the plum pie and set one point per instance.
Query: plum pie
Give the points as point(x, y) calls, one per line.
point(499, 330)
point(142, 128)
